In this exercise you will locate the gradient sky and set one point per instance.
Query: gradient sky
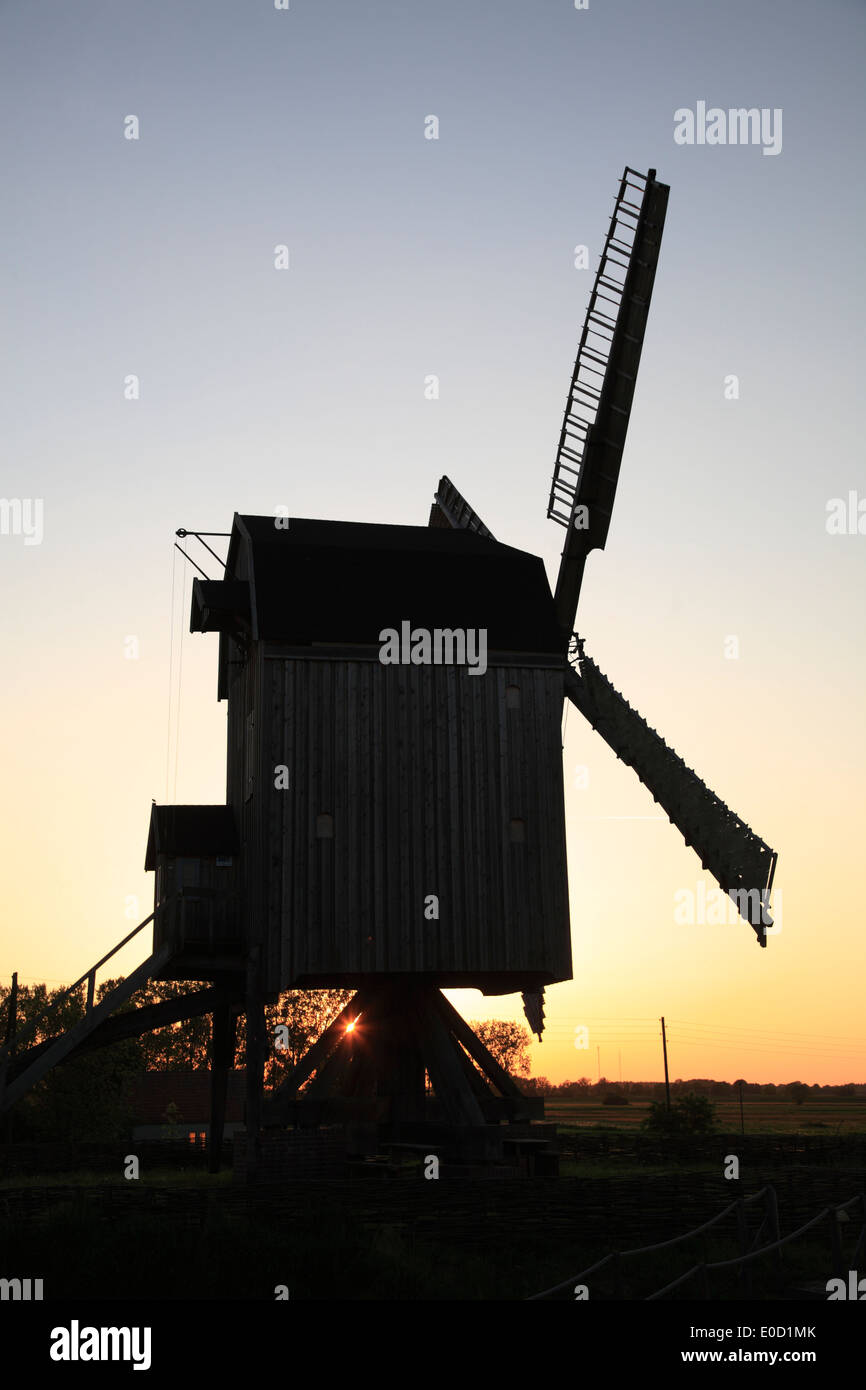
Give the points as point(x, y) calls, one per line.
point(305, 388)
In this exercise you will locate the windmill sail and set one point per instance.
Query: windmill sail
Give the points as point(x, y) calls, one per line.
point(603, 381)
point(450, 508)
point(739, 861)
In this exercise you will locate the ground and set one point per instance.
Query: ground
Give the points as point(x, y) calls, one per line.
point(180, 1233)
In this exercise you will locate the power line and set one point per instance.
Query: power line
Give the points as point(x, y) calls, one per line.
point(611, 1030)
point(775, 1051)
point(765, 1045)
point(795, 1044)
point(852, 1048)
point(774, 1032)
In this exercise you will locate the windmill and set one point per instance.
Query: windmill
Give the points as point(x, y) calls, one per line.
point(394, 819)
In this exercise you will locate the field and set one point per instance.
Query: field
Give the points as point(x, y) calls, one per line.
point(759, 1116)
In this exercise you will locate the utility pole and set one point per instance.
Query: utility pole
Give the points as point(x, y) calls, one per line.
point(742, 1121)
point(667, 1078)
point(12, 1023)
point(598, 1055)
point(11, 1030)
point(620, 1066)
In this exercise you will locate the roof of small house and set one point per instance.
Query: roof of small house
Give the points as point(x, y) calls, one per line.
point(343, 582)
point(153, 1091)
point(194, 831)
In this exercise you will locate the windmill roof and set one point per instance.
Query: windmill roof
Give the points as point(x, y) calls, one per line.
point(343, 582)
point(190, 830)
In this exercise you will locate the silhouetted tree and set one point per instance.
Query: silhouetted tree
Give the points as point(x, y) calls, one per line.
point(538, 1086)
point(305, 1013)
point(83, 1099)
point(689, 1114)
point(509, 1042)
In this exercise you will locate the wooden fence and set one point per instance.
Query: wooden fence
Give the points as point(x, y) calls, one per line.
point(773, 1150)
point(766, 1242)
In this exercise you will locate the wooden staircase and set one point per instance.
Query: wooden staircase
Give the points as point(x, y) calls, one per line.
point(19, 1072)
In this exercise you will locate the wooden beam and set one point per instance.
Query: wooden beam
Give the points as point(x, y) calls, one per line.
point(312, 1058)
point(407, 1074)
point(338, 1074)
point(62, 1047)
point(328, 1078)
point(131, 1024)
point(473, 1075)
point(223, 1051)
point(255, 1059)
point(449, 1082)
point(475, 1047)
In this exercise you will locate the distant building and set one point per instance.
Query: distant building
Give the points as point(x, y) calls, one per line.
point(189, 1091)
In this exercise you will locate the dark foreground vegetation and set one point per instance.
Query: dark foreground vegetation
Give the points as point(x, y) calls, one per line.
point(182, 1235)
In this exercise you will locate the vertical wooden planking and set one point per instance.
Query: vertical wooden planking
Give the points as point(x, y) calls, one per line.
point(557, 943)
point(411, 791)
point(535, 827)
point(433, 930)
point(375, 737)
point(423, 871)
point(560, 953)
point(453, 813)
point(366, 724)
point(481, 931)
point(439, 789)
point(495, 884)
point(256, 861)
point(285, 849)
point(305, 845)
point(351, 911)
point(423, 769)
point(388, 957)
point(468, 782)
point(402, 928)
point(344, 921)
point(328, 848)
point(505, 811)
point(540, 839)
point(273, 819)
point(518, 757)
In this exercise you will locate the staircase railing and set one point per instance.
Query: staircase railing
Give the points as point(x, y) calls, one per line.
point(89, 975)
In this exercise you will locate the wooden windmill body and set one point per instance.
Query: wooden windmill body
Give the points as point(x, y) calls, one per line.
point(397, 826)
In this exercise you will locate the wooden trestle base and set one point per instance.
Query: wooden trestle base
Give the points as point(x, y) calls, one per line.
point(370, 1065)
